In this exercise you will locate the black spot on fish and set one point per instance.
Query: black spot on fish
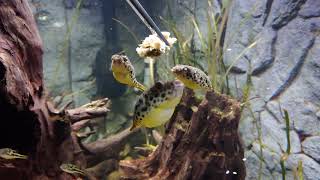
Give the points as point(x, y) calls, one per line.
point(158, 85)
point(144, 109)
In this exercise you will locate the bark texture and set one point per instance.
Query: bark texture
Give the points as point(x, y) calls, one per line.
point(201, 142)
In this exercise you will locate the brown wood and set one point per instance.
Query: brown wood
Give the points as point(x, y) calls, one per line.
point(202, 143)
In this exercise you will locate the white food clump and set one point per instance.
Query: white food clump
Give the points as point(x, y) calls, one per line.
point(153, 46)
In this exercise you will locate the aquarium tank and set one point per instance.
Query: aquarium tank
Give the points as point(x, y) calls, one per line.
point(160, 90)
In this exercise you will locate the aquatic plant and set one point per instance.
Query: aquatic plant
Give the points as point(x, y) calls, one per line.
point(66, 48)
point(299, 175)
point(285, 155)
point(127, 28)
point(212, 44)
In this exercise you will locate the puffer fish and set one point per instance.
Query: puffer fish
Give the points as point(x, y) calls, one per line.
point(156, 105)
point(72, 169)
point(123, 71)
point(192, 77)
point(10, 154)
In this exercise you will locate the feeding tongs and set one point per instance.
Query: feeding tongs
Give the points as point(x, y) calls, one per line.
point(146, 19)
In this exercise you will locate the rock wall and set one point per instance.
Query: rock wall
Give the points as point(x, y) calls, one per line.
point(285, 69)
point(69, 56)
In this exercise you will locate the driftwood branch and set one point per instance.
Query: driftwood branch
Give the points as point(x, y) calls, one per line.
point(94, 109)
point(156, 136)
point(80, 124)
point(112, 144)
point(100, 170)
point(200, 143)
point(91, 110)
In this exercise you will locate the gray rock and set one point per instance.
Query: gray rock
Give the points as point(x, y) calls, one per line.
point(311, 147)
point(253, 166)
point(69, 4)
point(257, 167)
point(248, 131)
point(76, 55)
point(274, 135)
point(310, 9)
point(284, 11)
point(52, 34)
point(285, 70)
point(311, 169)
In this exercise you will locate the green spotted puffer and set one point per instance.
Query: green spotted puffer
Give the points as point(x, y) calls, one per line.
point(123, 71)
point(192, 77)
point(156, 105)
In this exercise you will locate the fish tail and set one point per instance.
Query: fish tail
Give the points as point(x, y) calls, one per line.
point(134, 126)
point(139, 86)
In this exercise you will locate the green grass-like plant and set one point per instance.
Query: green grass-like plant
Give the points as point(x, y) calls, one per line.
point(66, 43)
point(285, 155)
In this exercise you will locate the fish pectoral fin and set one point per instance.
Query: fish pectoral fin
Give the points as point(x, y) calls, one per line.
point(140, 86)
point(134, 126)
point(19, 156)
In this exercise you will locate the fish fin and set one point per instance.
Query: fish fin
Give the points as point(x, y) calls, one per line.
point(16, 155)
point(140, 86)
point(134, 126)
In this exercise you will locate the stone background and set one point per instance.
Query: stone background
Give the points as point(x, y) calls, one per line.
point(284, 65)
point(285, 69)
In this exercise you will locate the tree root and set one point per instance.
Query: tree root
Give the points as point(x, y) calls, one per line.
point(200, 143)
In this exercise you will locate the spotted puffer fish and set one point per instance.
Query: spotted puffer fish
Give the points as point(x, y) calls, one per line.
point(192, 77)
point(72, 169)
point(123, 71)
point(156, 105)
point(10, 154)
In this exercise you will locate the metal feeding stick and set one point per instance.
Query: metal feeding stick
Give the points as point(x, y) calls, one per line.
point(146, 19)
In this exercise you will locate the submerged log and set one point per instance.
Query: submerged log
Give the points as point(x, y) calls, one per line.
point(201, 142)
point(110, 146)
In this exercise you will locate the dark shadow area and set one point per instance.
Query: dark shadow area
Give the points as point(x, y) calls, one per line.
point(19, 130)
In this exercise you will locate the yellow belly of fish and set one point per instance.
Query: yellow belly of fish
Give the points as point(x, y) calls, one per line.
point(123, 78)
point(190, 84)
point(160, 115)
point(157, 117)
